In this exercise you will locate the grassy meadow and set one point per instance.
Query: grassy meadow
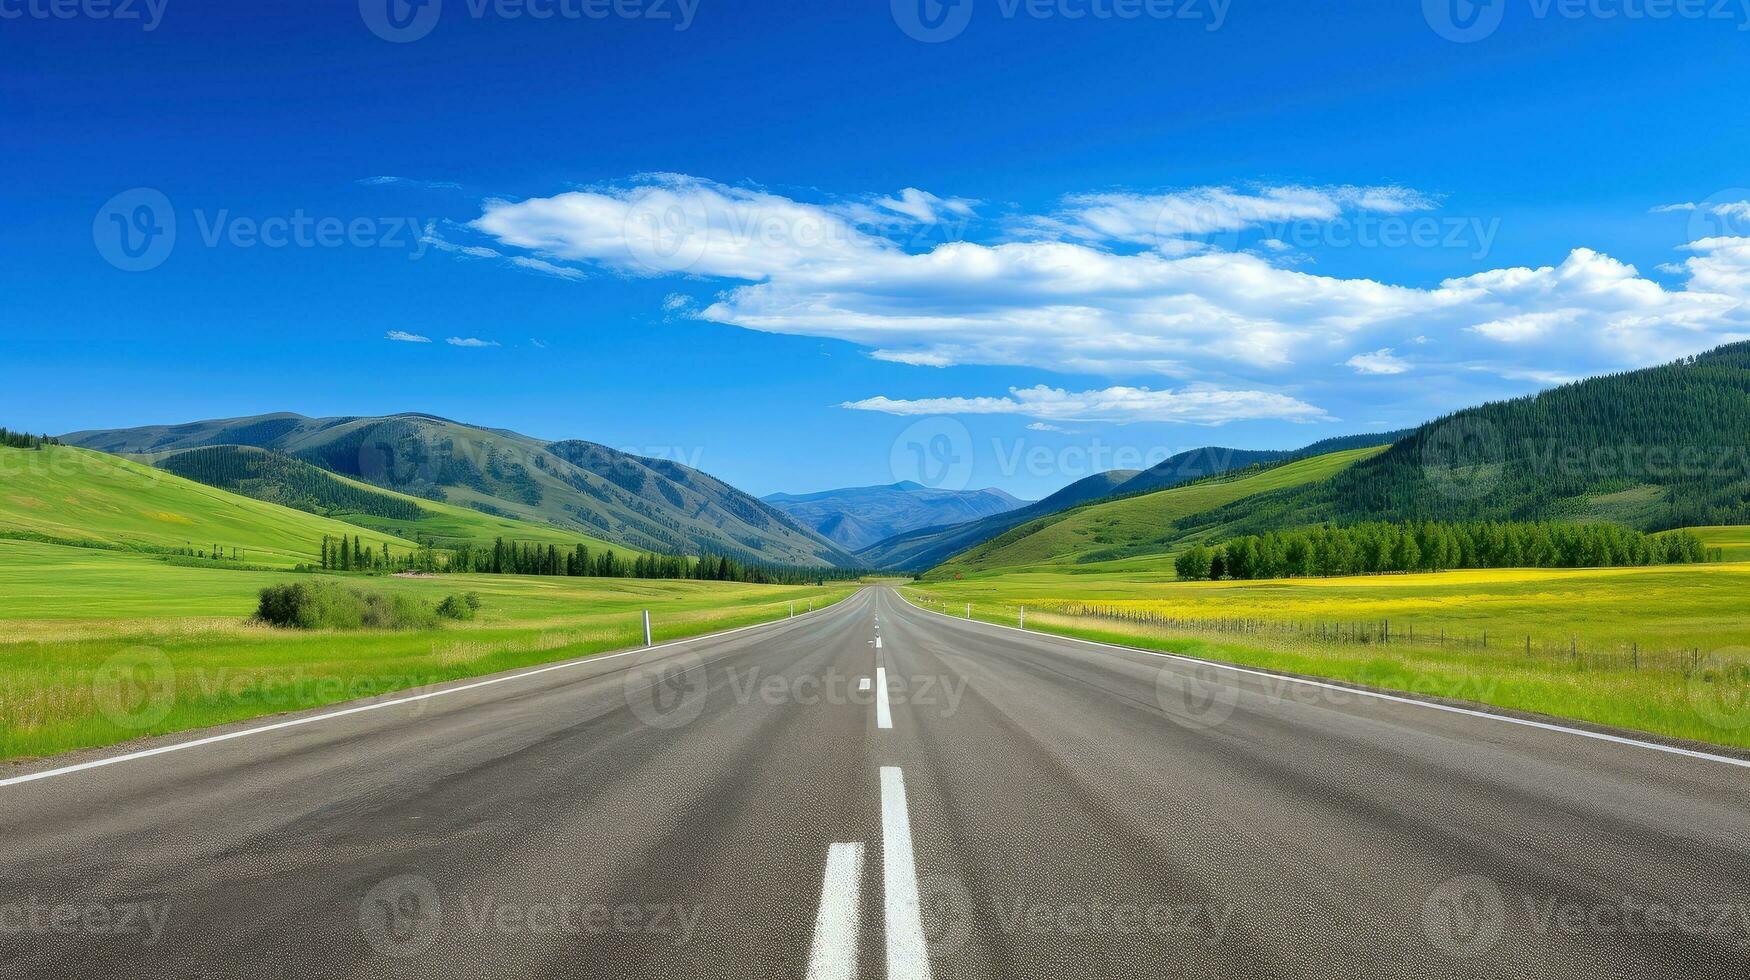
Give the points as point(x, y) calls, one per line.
point(98, 647)
point(1662, 649)
point(73, 495)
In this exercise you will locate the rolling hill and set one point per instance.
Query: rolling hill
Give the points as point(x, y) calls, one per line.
point(1142, 524)
point(925, 547)
point(1653, 449)
point(277, 478)
point(579, 487)
point(67, 495)
point(857, 517)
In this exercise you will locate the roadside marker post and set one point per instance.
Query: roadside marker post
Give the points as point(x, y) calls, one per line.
point(1023, 617)
point(646, 627)
point(969, 610)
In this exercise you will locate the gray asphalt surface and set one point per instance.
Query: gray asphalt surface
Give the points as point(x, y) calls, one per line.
point(1072, 810)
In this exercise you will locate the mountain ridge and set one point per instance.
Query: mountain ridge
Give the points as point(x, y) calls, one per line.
point(638, 502)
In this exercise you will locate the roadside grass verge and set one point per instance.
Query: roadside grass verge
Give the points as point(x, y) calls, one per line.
point(99, 647)
point(1663, 650)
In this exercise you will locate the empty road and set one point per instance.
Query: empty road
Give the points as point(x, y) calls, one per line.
point(874, 790)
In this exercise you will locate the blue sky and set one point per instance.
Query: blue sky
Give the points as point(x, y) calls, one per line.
point(801, 248)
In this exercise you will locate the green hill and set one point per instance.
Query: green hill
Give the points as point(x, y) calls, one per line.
point(280, 479)
point(634, 501)
point(1654, 449)
point(1149, 523)
point(77, 496)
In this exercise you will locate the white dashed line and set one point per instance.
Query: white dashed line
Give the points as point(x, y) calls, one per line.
point(907, 955)
point(834, 956)
point(883, 716)
point(863, 685)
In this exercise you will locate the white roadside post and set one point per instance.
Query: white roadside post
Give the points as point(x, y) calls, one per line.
point(646, 627)
point(969, 610)
point(1023, 617)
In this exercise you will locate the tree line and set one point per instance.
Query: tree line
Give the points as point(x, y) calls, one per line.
point(524, 558)
point(24, 440)
point(1428, 546)
point(281, 479)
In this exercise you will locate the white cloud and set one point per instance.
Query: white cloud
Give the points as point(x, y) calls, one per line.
point(1197, 404)
point(428, 184)
point(1047, 427)
point(547, 268)
point(406, 338)
point(1072, 291)
point(924, 207)
point(470, 342)
point(1382, 361)
point(1171, 221)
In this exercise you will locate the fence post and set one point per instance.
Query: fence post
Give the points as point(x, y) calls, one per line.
point(646, 627)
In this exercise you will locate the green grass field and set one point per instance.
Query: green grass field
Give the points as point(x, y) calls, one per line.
point(76, 495)
point(1664, 649)
point(103, 646)
point(1135, 524)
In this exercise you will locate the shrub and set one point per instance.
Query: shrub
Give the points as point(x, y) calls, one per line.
point(460, 607)
point(328, 605)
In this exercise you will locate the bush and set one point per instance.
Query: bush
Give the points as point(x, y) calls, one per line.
point(327, 605)
point(460, 607)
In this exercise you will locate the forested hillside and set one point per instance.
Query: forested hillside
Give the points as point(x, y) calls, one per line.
point(1659, 448)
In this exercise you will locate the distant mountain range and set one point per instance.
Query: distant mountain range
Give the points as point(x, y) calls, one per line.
point(648, 504)
point(856, 517)
point(924, 548)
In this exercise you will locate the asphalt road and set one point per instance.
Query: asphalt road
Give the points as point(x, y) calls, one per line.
point(1016, 806)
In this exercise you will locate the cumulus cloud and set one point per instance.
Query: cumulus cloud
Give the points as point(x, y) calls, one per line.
point(470, 342)
point(1114, 284)
point(1198, 404)
point(406, 338)
point(1382, 361)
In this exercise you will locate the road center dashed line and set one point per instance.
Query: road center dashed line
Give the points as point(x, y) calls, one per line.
point(908, 956)
point(834, 954)
point(883, 714)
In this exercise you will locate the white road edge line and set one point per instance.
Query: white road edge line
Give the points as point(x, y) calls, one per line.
point(295, 722)
point(883, 716)
point(1398, 698)
point(908, 957)
point(834, 954)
